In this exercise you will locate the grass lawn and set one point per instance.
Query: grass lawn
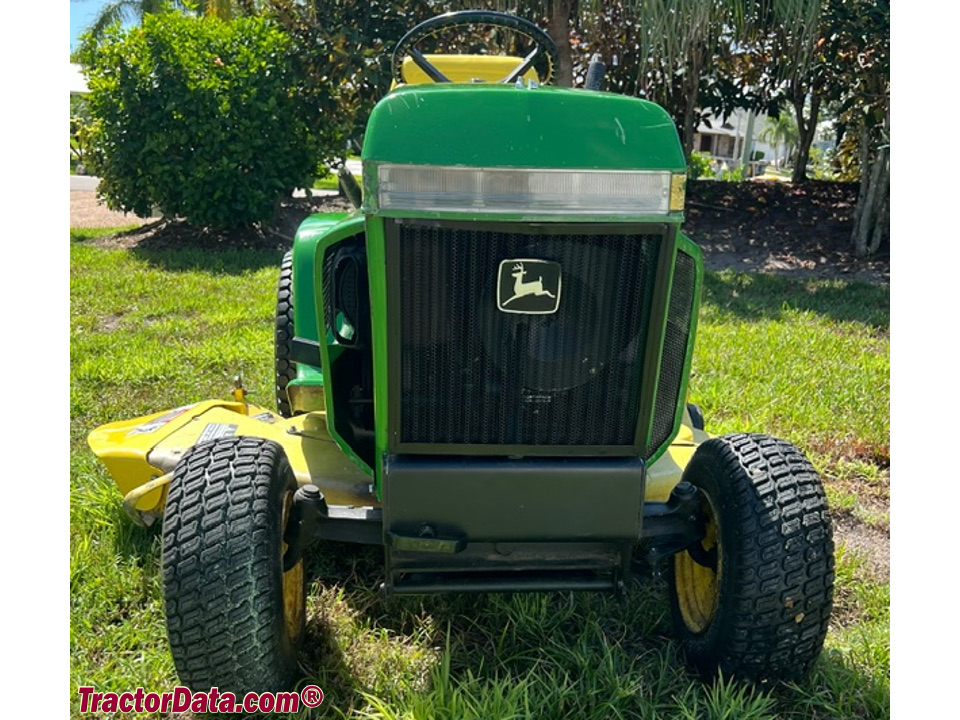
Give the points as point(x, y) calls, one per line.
point(806, 361)
point(330, 182)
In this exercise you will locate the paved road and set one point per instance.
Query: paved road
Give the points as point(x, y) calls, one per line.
point(83, 182)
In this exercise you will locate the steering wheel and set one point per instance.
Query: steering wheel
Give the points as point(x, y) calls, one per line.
point(543, 45)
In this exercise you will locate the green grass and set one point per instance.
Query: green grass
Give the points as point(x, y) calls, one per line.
point(150, 331)
point(807, 361)
point(330, 182)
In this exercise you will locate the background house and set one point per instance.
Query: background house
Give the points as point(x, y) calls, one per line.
point(724, 139)
point(77, 82)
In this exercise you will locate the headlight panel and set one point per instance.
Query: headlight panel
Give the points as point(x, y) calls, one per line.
point(525, 190)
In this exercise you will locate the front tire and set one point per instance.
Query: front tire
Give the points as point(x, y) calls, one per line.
point(234, 618)
point(756, 601)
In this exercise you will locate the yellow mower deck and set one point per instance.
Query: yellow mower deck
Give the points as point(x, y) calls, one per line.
point(143, 449)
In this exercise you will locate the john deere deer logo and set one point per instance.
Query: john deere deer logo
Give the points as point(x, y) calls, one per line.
point(534, 289)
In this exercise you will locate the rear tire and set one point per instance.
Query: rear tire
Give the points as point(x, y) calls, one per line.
point(762, 611)
point(285, 368)
point(696, 416)
point(234, 618)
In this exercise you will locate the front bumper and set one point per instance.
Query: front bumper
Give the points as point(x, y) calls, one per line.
point(461, 524)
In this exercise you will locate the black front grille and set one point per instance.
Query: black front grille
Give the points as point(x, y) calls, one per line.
point(472, 374)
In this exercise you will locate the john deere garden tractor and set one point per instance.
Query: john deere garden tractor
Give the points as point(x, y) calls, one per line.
point(483, 369)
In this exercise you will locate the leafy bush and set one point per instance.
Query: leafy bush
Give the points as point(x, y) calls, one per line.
point(79, 129)
point(735, 175)
point(698, 166)
point(203, 119)
point(821, 165)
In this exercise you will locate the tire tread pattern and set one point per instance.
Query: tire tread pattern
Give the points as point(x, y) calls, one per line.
point(285, 368)
point(223, 588)
point(775, 608)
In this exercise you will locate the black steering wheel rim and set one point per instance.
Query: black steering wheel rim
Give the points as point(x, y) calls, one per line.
point(463, 18)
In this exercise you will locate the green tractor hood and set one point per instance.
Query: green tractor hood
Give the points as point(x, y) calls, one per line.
point(495, 125)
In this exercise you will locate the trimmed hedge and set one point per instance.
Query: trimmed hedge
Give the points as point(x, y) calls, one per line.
point(204, 119)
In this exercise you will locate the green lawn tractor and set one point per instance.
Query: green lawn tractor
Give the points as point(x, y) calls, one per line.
point(483, 369)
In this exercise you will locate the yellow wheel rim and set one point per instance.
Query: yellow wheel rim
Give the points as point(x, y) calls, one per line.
point(293, 595)
point(698, 587)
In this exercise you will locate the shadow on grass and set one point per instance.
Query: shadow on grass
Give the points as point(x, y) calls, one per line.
point(217, 261)
point(326, 666)
point(562, 652)
point(362, 644)
point(750, 296)
point(585, 655)
point(81, 235)
point(135, 543)
point(189, 250)
point(835, 682)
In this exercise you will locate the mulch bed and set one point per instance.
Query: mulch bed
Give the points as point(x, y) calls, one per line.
point(780, 228)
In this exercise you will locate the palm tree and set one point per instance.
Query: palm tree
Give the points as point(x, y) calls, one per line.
point(135, 10)
point(781, 131)
point(223, 9)
point(128, 11)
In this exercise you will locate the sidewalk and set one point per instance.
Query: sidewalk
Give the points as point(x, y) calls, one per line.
point(87, 212)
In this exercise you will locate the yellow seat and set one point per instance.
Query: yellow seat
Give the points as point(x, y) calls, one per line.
point(465, 68)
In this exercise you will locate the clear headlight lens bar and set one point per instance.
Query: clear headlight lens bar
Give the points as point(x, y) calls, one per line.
point(526, 190)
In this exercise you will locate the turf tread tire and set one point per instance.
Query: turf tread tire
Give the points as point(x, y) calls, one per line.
point(777, 578)
point(285, 368)
point(222, 577)
point(696, 416)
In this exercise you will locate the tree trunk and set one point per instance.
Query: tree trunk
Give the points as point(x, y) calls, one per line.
point(839, 131)
point(872, 216)
point(558, 28)
point(807, 131)
point(691, 87)
point(688, 129)
point(864, 181)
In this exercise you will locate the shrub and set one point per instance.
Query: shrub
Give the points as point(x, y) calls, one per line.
point(699, 165)
point(79, 129)
point(821, 164)
point(201, 118)
point(735, 175)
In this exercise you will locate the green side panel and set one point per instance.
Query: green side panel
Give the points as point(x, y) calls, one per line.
point(377, 277)
point(316, 234)
point(495, 125)
point(686, 245)
point(305, 285)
